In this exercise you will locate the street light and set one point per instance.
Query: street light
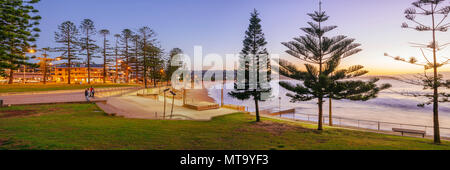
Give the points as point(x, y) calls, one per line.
point(164, 113)
point(31, 51)
point(279, 105)
point(44, 60)
point(173, 102)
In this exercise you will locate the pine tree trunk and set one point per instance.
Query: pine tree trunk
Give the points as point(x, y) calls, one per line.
point(69, 61)
point(11, 71)
point(144, 76)
point(330, 116)
point(127, 58)
point(45, 70)
point(320, 103)
point(257, 111)
point(11, 76)
point(437, 138)
point(88, 58)
point(117, 70)
point(320, 122)
point(104, 60)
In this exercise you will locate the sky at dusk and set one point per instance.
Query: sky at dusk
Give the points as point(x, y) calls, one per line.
point(219, 25)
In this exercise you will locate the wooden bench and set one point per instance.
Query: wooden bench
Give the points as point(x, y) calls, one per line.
point(403, 131)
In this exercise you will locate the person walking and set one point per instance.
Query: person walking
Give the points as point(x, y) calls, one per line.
point(86, 94)
point(92, 92)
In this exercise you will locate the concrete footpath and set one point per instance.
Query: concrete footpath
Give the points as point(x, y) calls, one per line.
point(60, 97)
point(74, 97)
point(146, 108)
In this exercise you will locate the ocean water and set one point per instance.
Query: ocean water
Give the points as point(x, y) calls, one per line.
point(390, 106)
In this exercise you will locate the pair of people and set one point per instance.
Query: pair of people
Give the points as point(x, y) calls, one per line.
point(89, 92)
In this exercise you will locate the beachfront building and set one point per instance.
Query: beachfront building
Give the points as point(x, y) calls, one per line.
point(78, 73)
point(24, 75)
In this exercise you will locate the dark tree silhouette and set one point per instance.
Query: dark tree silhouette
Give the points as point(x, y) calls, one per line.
point(116, 56)
point(437, 12)
point(106, 52)
point(322, 78)
point(254, 70)
point(147, 40)
point(68, 38)
point(136, 56)
point(87, 44)
point(126, 38)
point(155, 63)
point(18, 30)
point(173, 63)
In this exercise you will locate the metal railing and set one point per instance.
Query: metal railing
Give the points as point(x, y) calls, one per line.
point(364, 124)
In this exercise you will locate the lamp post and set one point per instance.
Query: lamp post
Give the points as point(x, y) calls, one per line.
point(164, 113)
point(118, 61)
point(162, 74)
point(30, 51)
point(45, 62)
point(173, 102)
point(24, 73)
point(279, 105)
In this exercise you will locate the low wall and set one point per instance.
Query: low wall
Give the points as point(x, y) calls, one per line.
point(202, 106)
point(234, 107)
point(283, 112)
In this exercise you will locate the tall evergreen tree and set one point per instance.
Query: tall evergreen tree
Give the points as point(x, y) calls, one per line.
point(325, 81)
point(136, 56)
point(116, 56)
point(68, 37)
point(155, 63)
point(126, 38)
point(18, 30)
point(437, 13)
point(106, 52)
point(147, 40)
point(88, 44)
point(254, 70)
point(173, 63)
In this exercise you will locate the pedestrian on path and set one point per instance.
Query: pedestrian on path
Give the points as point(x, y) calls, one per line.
point(86, 94)
point(90, 91)
point(93, 92)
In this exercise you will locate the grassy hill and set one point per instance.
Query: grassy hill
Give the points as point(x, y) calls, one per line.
point(85, 127)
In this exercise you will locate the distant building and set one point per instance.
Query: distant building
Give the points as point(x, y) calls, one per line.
point(24, 74)
point(78, 73)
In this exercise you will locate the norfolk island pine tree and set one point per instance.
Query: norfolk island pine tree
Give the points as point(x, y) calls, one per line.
point(326, 81)
point(432, 9)
point(254, 62)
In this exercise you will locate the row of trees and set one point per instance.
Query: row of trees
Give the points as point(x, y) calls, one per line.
point(323, 79)
point(137, 52)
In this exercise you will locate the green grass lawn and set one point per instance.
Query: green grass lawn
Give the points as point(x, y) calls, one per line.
point(84, 126)
point(8, 88)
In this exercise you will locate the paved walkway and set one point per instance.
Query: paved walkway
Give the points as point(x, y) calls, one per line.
point(145, 108)
point(73, 97)
point(55, 97)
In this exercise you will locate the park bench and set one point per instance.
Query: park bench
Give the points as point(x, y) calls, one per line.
point(410, 131)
